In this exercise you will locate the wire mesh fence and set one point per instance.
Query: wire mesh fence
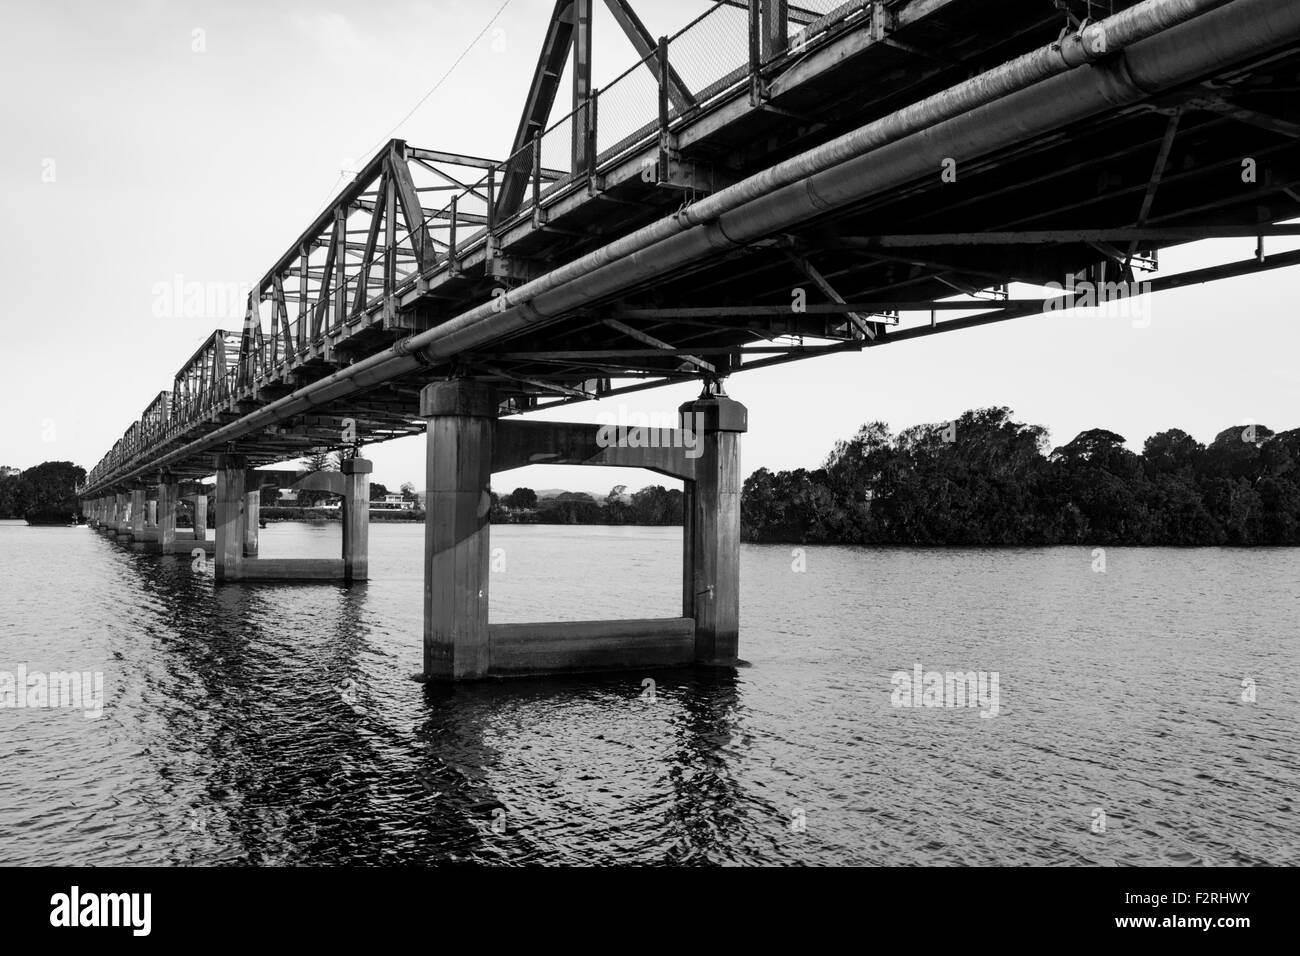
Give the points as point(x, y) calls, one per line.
point(712, 52)
point(628, 109)
point(557, 145)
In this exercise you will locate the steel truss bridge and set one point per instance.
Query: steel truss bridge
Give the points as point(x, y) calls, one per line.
point(655, 232)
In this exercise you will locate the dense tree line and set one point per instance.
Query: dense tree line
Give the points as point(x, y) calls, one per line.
point(652, 505)
point(986, 479)
point(44, 493)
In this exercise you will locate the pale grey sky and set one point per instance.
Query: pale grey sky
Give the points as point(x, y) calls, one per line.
point(135, 149)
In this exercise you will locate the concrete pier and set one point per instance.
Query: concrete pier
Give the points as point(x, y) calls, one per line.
point(126, 518)
point(230, 517)
point(137, 514)
point(467, 444)
point(356, 518)
point(167, 495)
point(711, 533)
point(238, 505)
point(461, 415)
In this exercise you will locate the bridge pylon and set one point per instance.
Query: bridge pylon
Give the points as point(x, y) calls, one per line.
point(467, 443)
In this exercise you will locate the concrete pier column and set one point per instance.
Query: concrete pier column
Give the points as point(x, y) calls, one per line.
point(151, 513)
point(252, 521)
point(167, 494)
point(688, 549)
point(137, 512)
point(120, 523)
point(356, 518)
point(712, 562)
point(230, 517)
point(462, 416)
point(200, 517)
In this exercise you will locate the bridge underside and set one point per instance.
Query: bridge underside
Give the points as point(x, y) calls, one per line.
point(843, 183)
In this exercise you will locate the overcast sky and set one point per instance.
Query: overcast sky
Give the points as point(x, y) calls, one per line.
point(141, 141)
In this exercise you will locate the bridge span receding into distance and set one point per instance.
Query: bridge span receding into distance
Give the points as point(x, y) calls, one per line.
point(773, 182)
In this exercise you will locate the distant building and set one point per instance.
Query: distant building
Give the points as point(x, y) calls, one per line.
point(392, 503)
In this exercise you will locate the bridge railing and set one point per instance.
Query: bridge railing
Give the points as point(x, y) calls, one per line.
point(706, 58)
point(334, 282)
point(156, 418)
point(205, 381)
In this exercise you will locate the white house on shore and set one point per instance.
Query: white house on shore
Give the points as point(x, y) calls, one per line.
point(392, 503)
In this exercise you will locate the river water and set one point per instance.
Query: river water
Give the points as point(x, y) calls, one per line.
point(1146, 713)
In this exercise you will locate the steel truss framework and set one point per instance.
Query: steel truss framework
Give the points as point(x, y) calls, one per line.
point(421, 238)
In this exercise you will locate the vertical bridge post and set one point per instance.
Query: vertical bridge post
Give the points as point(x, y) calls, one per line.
point(200, 517)
point(167, 495)
point(252, 520)
point(137, 512)
point(775, 17)
point(461, 416)
point(582, 126)
point(356, 519)
point(711, 566)
point(230, 517)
